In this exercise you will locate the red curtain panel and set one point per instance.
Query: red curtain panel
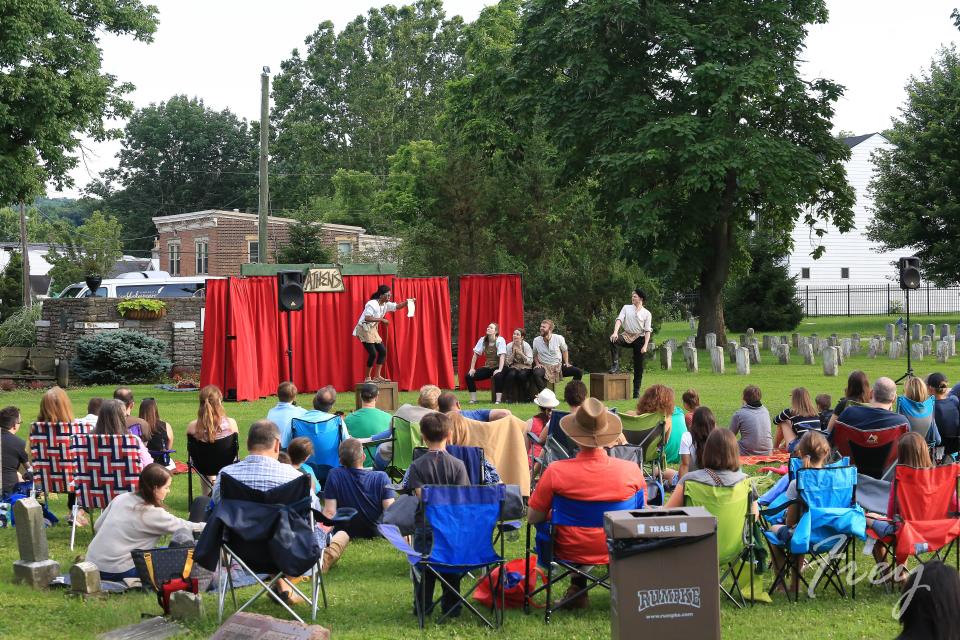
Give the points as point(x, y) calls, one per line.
point(485, 299)
point(254, 318)
point(213, 363)
point(421, 351)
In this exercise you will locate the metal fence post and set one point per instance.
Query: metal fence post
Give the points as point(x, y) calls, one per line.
point(928, 298)
point(848, 301)
point(889, 308)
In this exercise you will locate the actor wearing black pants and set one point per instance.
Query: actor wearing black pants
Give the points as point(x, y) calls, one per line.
point(493, 348)
point(367, 330)
point(635, 321)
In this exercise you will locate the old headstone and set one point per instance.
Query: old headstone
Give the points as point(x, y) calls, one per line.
point(186, 606)
point(34, 566)
point(952, 341)
point(84, 578)
point(917, 350)
point(717, 359)
point(666, 357)
point(831, 361)
point(732, 347)
point(931, 330)
point(692, 341)
point(927, 345)
point(693, 323)
point(806, 350)
point(670, 345)
point(743, 337)
point(834, 341)
point(840, 357)
point(943, 351)
point(767, 342)
point(894, 350)
point(795, 340)
point(783, 354)
point(690, 358)
point(750, 332)
point(252, 625)
point(873, 348)
point(846, 347)
point(889, 332)
point(944, 331)
point(855, 343)
point(156, 628)
point(754, 353)
point(711, 341)
point(915, 332)
point(956, 332)
point(743, 361)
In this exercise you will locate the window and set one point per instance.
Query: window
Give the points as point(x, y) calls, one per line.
point(805, 273)
point(173, 256)
point(344, 248)
point(203, 256)
point(253, 251)
point(181, 290)
point(138, 291)
point(845, 273)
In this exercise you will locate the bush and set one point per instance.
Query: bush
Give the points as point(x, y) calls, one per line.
point(141, 304)
point(20, 329)
point(765, 298)
point(117, 357)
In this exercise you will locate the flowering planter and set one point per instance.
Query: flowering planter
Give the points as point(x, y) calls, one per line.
point(143, 314)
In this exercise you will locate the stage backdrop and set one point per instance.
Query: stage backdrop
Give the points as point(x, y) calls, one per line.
point(485, 299)
point(245, 336)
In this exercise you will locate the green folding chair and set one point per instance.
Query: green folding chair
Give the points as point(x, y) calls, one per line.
point(647, 431)
point(406, 438)
point(736, 549)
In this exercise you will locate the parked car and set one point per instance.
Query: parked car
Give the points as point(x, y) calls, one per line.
point(142, 284)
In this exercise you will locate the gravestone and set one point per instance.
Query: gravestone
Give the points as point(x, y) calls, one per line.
point(915, 332)
point(889, 332)
point(767, 342)
point(690, 358)
point(84, 578)
point(846, 347)
point(243, 625)
point(153, 629)
point(795, 340)
point(692, 341)
point(743, 338)
point(917, 350)
point(732, 347)
point(666, 357)
point(831, 361)
point(952, 341)
point(894, 350)
point(717, 359)
point(931, 330)
point(186, 606)
point(943, 351)
point(944, 331)
point(956, 332)
point(754, 349)
point(671, 345)
point(711, 339)
point(873, 348)
point(693, 323)
point(840, 357)
point(750, 332)
point(34, 567)
point(743, 361)
point(783, 354)
point(774, 343)
point(806, 350)
point(834, 341)
point(927, 345)
point(855, 343)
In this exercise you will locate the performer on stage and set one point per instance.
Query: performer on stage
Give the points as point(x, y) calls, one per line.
point(494, 350)
point(367, 330)
point(551, 360)
point(519, 373)
point(635, 321)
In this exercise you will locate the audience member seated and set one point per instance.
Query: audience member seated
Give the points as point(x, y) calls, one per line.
point(111, 421)
point(801, 416)
point(518, 382)
point(691, 445)
point(55, 407)
point(876, 414)
point(368, 421)
point(752, 422)
point(261, 471)
point(930, 600)
point(825, 409)
point(298, 453)
point(135, 520)
point(659, 399)
point(574, 395)
point(93, 408)
point(537, 425)
point(136, 426)
point(285, 411)
point(161, 438)
point(947, 412)
point(858, 392)
point(212, 422)
point(721, 465)
point(917, 406)
point(691, 400)
point(591, 476)
point(350, 485)
point(449, 403)
point(323, 401)
point(14, 461)
point(436, 467)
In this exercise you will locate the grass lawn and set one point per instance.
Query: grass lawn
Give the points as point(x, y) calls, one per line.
point(369, 590)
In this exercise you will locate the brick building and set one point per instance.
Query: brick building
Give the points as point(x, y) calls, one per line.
point(216, 243)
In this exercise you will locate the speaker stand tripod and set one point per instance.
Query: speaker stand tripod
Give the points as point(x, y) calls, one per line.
point(909, 330)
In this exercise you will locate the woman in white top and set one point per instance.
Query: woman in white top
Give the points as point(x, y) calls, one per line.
point(635, 321)
point(367, 330)
point(134, 521)
point(493, 348)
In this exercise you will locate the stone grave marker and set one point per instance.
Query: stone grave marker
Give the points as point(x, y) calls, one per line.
point(873, 348)
point(767, 342)
point(915, 330)
point(711, 339)
point(754, 353)
point(732, 347)
point(717, 359)
point(917, 350)
point(243, 625)
point(153, 629)
point(186, 606)
point(690, 358)
point(806, 350)
point(34, 567)
point(783, 354)
point(927, 345)
point(856, 343)
point(931, 330)
point(952, 341)
point(743, 361)
point(894, 351)
point(795, 340)
point(846, 347)
point(943, 351)
point(889, 332)
point(750, 332)
point(84, 578)
point(666, 357)
point(944, 331)
point(831, 361)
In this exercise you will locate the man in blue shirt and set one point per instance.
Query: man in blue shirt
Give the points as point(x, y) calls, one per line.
point(448, 403)
point(350, 485)
point(323, 402)
point(285, 411)
point(877, 414)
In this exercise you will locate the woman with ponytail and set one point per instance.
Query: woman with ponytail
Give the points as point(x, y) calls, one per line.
point(212, 422)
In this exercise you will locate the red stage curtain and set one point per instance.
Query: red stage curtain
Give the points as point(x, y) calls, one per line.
point(485, 299)
point(214, 358)
point(420, 351)
point(254, 320)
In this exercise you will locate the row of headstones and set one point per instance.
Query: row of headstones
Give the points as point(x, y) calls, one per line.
point(898, 331)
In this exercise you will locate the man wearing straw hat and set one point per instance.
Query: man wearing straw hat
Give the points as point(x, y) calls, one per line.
point(591, 476)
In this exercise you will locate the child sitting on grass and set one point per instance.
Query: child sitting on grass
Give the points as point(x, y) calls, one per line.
point(825, 407)
point(300, 450)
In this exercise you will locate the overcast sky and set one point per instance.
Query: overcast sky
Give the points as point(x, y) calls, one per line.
point(214, 49)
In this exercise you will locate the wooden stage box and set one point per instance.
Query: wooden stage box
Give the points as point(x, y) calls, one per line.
point(610, 386)
point(389, 398)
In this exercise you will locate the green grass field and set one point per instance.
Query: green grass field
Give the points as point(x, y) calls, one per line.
point(369, 590)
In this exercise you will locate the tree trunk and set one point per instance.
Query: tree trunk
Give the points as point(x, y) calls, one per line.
point(716, 267)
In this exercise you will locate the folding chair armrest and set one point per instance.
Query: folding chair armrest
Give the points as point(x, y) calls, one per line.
point(509, 525)
point(342, 517)
point(777, 509)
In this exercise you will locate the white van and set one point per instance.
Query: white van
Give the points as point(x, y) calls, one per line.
point(143, 284)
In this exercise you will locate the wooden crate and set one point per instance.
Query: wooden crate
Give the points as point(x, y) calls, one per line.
point(610, 386)
point(389, 398)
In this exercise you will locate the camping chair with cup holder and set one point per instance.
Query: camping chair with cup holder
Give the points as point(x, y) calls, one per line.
point(208, 458)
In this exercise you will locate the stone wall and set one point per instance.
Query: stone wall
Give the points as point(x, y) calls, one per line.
point(64, 321)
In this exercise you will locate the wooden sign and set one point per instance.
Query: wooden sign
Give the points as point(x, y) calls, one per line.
point(324, 280)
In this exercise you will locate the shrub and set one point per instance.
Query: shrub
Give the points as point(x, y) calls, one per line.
point(20, 329)
point(140, 304)
point(120, 357)
point(765, 298)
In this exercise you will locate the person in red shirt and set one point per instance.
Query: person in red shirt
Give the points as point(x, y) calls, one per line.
point(591, 476)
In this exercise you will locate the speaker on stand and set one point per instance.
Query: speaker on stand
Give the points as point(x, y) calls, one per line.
point(290, 299)
point(909, 280)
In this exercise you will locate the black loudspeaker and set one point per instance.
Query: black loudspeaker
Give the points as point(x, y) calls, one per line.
point(290, 290)
point(909, 272)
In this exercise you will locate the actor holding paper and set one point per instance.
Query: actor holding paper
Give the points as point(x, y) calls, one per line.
point(367, 330)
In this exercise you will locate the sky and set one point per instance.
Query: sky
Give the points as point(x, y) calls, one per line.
point(215, 49)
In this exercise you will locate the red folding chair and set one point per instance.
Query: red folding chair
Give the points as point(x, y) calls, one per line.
point(52, 459)
point(924, 513)
point(107, 465)
point(872, 452)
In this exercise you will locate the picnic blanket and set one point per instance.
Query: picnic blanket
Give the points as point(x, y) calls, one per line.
point(773, 456)
point(503, 445)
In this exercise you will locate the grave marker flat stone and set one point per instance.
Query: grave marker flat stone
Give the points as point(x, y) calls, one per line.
point(34, 567)
point(186, 606)
point(243, 625)
point(717, 359)
point(783, 354)
point(743, 361)
point(152, 629)
point(84, 578)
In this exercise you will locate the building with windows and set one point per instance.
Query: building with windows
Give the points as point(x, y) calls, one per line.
point(215, 242)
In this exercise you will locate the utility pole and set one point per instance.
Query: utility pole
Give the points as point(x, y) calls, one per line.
point(264, 209)
point(27, 298)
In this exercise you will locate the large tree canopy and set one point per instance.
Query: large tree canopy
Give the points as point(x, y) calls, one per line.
point(179, 156)
point(916, 189)
point(52, 89)
point(693, 120)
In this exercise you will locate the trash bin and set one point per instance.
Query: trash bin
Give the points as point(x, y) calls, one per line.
point(663, 573)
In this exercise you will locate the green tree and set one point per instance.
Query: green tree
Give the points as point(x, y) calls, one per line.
point(38, 226)
point(916, 188)
point(306, 244)
point(692, 118)
point(764, 298)
point(353, 98)
point(53, 89)
point(93, 248)
point(11, 286)
point(179, 156)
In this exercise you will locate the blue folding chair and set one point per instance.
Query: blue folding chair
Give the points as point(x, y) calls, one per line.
point(326, 437)
point(827, 530)
point(462, 520)
point(569, 513)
